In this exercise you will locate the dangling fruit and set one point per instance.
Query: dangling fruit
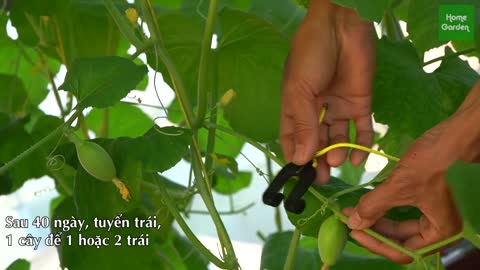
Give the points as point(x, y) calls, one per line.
point(332, 238)
point(98, 163)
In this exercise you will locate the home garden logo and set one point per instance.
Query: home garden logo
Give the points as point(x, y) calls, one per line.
point(456, 22)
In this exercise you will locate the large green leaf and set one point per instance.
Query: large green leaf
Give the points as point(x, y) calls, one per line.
point(283, 14)
point(102, 81)
point(411, 101)
point(275, 252)
point(226, 183)
point(184, 50)
point(14, 139)
point(25, 63)
point(250, 59)
point(78, 257)
point(123, 120)
point(13, 97)
point(20, 264)
point(373, 11)
point(423, 24)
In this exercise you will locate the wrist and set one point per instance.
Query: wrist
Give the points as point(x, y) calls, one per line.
point(467, 132)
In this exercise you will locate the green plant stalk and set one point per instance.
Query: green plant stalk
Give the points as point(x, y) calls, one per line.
point(199, 168)
point(428, 249)
point(181, 222)
point(203, 71)
point(351, 189)
point(160, 51)
point(392, 27)
point(203, 188)
point(83, 126)
point(39, 144)
point(291, 250)
point(63, 113)
point(123, 24)
point(105, 123)
point(445, 57)
point(226, 213)
point(212, 99)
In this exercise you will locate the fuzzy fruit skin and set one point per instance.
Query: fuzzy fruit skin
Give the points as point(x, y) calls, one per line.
point(332, 238)
point(95, 160)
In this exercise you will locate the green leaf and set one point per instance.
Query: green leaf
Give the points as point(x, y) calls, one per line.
point(123, 120)
point(312, 217)
point(180, 254)
point(372, 11)
point(24, 63)
point(250, 58)
point(225, 143)
point(351, 174)
point(285, 15)
point(13, 97)
point(403, 91)
point(184, 50)
point(422, 24)
point(462, 178)
point(102, 81)
point(275, 252)
point(231, 183)
point(19, 264)
point(14, 139)
point(80, 257)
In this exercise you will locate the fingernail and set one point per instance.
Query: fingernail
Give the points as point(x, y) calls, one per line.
point(298, 158)
point(354, 221)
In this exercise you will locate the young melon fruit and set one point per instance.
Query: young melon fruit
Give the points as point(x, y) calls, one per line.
point(332, 238)
point(94, 159)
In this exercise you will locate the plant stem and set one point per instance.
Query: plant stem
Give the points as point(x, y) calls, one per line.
point(63, 113)
point(203, 188)
point(248, 140)
point(105, 123)
point(203, 70)
point(350, 190)
point(146, 46)
point(83, 126)
point(231, 212)
point(181, 222)
point(123, 24)
point(391, 26)
point(440, 244)
point(199, 169)
point(36, 146)
point(445, 57)
point(161, 53)
point(291, 250)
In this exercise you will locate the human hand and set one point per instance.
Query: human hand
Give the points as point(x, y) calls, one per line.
point(419, 180)
point(331, 61)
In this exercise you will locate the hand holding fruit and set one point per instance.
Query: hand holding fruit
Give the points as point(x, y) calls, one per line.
point(331, 61)
point(419, 180)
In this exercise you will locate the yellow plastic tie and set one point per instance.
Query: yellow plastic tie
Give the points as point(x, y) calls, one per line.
point(348, 145)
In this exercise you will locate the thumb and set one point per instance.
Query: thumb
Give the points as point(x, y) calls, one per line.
point(371, 207)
